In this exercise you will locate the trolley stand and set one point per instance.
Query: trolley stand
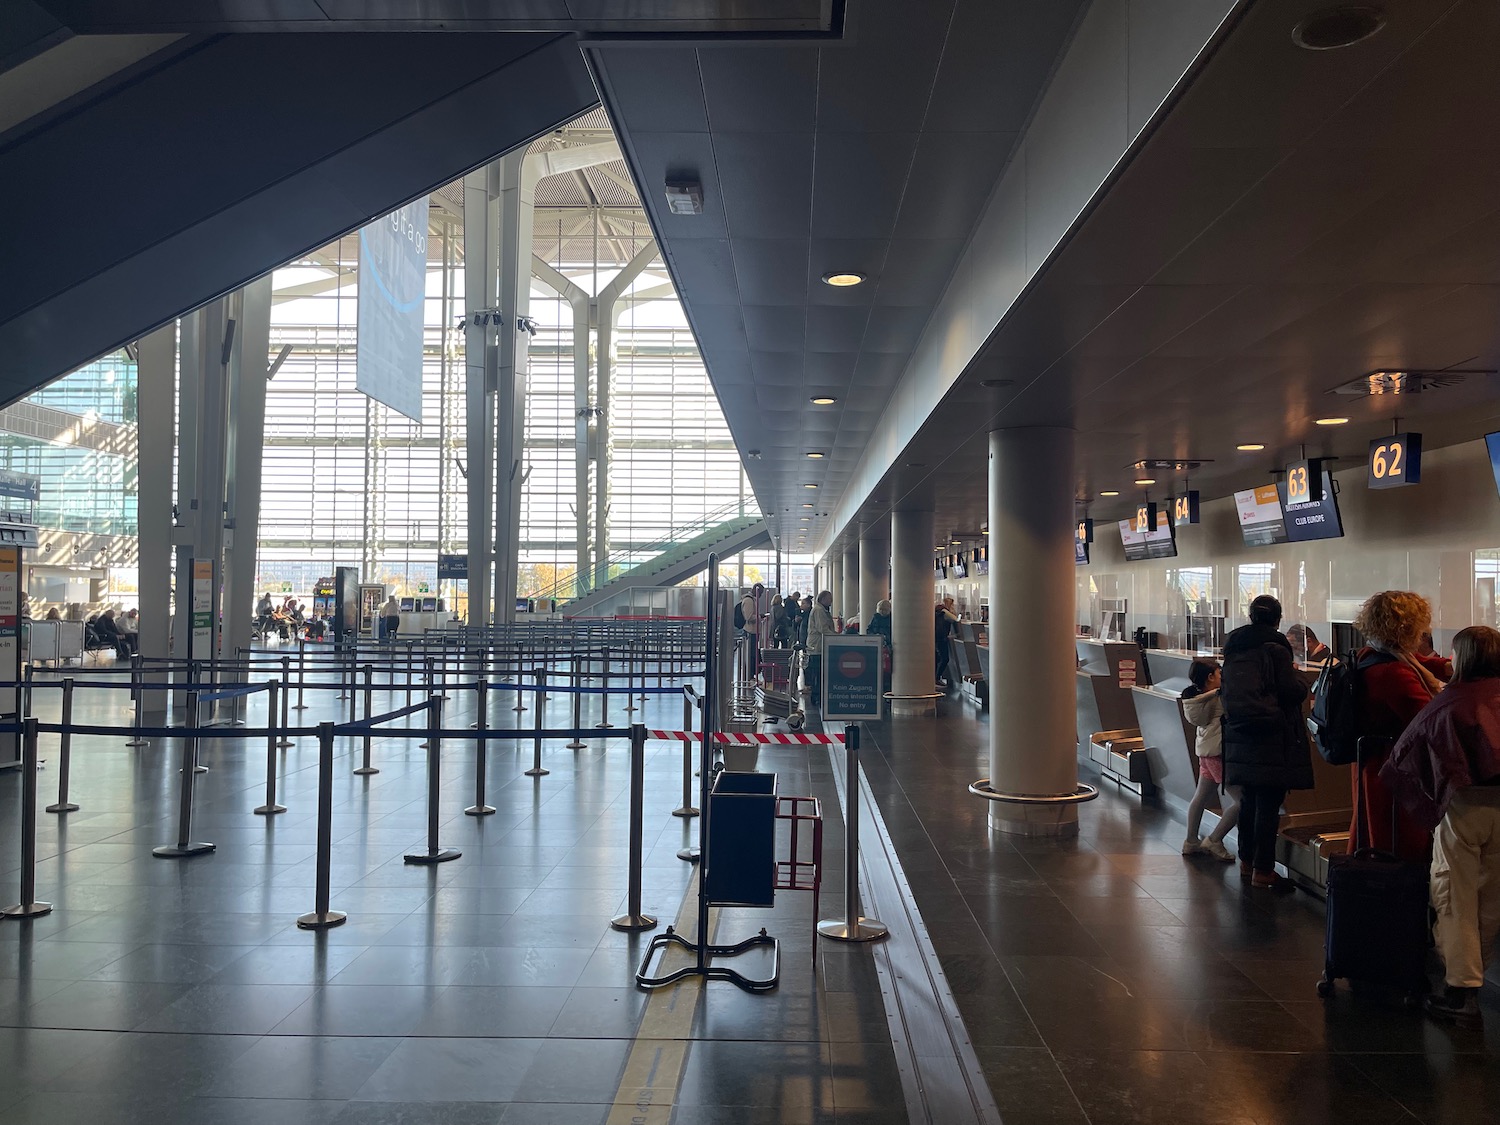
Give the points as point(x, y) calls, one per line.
point(702, 951)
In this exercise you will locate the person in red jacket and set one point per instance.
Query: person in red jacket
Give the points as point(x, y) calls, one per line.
point(1394, 686)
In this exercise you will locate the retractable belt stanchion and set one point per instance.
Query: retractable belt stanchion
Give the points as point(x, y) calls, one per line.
point(630, 678)
point(301, 677)
point(520, 692)
point(604, 723)
point(481, 751)
point(271, 808)
point(321, 917)
point(852, 927)
point(577, 684)
point(435, 852)
point(687, 809)
point(28, 907)
point(185, 845)
point(286, 693)
point(137, 697)
point(65, 753)
point(536, 769)
point(633, 919)
point(365, 767)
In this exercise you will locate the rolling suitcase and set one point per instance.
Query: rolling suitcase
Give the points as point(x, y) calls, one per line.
point(1378, 923)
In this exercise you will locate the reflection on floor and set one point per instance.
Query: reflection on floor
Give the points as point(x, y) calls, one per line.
point(1109, 980)
point(490, 989)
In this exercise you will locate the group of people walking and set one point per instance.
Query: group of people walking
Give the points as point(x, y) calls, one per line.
point(1425, 788)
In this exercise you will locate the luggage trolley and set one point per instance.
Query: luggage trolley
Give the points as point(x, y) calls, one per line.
point(774, 697)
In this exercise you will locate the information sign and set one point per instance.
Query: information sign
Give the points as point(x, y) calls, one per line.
point(203, 611)
point(453, 567)
point(20, 486)
point(1395, 461)
point(392, 296)
point(1185, 508)
point(1304, 481)
point(1145, 517)
point(853, 678)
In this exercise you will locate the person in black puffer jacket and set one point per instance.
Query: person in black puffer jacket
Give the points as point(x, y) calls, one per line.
point(1265, 738)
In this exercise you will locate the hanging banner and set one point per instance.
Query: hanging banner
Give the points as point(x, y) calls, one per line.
point(392, 308)
point(203, 611)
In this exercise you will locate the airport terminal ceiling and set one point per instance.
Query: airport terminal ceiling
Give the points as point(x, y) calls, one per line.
point(1292, 221)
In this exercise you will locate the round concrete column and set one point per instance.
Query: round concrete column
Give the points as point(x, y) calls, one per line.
point(848, 605)
point(913, 590)
point(833, 565)
point(874, 574)
point(1033, 737)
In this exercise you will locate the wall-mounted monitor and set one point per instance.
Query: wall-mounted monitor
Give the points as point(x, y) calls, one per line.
point(408, 605)
point(1156, 544)
point(1313, 519)
point(958, 571)
point(1261, 521)
point(1080, 551)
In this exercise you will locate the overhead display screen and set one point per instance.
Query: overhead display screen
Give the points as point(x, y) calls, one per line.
point(1157, 544)
point(1313, 519)
point(1261, 522)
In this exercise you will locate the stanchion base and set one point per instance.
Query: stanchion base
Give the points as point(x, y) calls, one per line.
point(538, 772)
point(866, 929)
point(69, 807)
point(299, 706)
point(327, 920)
point(577, 745)
point(691, 855)
point(631, 923)
point(135, 743)
point(365, 769)
point(685, 812)
point(198, 769)
point(604, 726)
point(441, 856)
point(285, 742)
point(479, 810)
point(270, 810)
point(182, 851)
point(27, 910)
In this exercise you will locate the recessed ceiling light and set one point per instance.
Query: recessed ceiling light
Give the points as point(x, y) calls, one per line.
point(1337, 27)
point(807, 505)
point(992, 384)
point(823, 400)
point(842, 279)
point(916, 464)
point(814, 454)
point(1250, 447)
point(809, 486)
point(1145, 480)
point(1330, 421)
point(1109, 493)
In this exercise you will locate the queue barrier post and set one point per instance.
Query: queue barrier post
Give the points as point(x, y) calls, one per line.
point(65, 753)
point(687, 809)
point(633, 919)
point(853, 926)
point(301, 678)
point(322, 917)
point(186, 846)
point(138, 698)
point(28, 907)
point(481, 751)
point(537, 769)
point(576, 683)
point(630, 678)
point(604, 723)
point(271, 808)
point(365, 767)
point(286, 692)
point(435, 852)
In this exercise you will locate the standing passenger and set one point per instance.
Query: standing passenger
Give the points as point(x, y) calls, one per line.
point(1446, 770)
point(1204, 708)
point(944, 619)
point(1394, 685)
point(391, 615)
point(819, 625)
point(1266, 750)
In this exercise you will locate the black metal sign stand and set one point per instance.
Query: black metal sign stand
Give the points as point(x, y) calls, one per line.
point(702, 951)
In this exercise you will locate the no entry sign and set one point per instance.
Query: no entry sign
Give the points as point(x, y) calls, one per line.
point(853, 686)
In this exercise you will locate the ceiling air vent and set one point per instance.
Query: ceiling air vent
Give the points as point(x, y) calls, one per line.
point(1169, 465)
point(1378, 383)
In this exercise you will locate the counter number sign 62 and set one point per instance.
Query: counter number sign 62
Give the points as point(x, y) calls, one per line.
point(1395, 461)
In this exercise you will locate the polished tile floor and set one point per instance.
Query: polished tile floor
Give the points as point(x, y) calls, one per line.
point(1108, 980)
point(489, 989)
point(1103, 980)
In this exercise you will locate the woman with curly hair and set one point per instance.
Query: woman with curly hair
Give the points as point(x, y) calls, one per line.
point(1393, 686)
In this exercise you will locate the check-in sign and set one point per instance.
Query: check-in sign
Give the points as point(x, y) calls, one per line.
point(853, 678)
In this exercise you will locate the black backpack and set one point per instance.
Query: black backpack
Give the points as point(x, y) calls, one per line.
point(739, 615)
point(1337, 703)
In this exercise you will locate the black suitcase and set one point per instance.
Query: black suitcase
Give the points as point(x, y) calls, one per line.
point(1378, 922)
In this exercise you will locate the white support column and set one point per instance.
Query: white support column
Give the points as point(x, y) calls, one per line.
point(578, 300)
point(913, 590)
point(608, 312)
point(517, 193)
point(833, 563)
point(850, 583)
point(1033, 740)
point(246, 449)
point(156, 384)
point(874, 573)
point(481, 361)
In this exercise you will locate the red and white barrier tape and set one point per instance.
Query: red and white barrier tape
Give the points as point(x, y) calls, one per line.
point(737, 739)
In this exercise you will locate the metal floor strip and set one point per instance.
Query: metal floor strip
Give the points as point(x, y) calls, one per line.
point(940, 1073)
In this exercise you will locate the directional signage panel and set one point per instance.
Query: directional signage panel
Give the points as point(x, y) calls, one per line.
point(853, 680)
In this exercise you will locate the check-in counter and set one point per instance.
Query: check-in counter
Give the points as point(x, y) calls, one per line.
point(1167, 739)
point(972, 663)
point(1108, 732)
point(1316, 824)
